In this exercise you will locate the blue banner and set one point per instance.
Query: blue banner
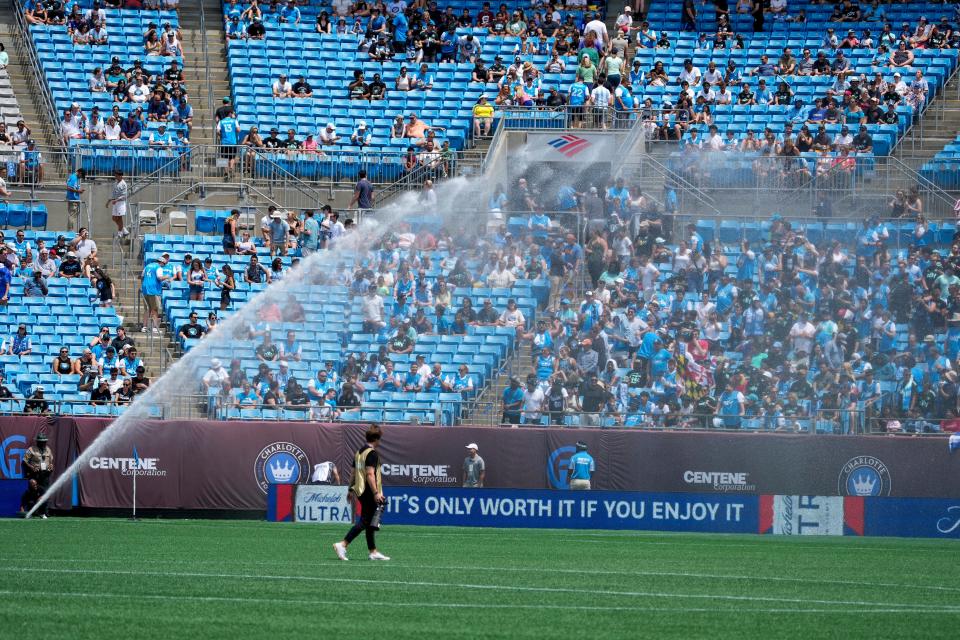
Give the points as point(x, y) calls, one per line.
point(912, 517)
point(710, 513)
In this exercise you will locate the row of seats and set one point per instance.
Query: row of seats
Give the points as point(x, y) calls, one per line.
point(67, 67)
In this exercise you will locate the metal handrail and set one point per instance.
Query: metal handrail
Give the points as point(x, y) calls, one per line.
point(38, 88)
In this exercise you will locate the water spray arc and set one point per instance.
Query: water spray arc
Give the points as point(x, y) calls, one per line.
point(455, 199)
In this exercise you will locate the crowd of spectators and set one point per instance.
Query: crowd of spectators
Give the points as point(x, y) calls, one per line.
point(781, 334)
point(109, 367)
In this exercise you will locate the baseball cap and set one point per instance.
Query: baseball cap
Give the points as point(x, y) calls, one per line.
point(473, 445)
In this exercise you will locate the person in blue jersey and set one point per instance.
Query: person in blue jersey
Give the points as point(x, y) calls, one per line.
point(577, 97)
point(400, 32)
point(151, 287)
point(228, 133)
point(512, 401)
point(74, 193)
point(731, 407)
point(290, 13)
point(581, 468)
point(546, 365)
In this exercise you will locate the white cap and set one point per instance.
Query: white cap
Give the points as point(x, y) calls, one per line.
point(473, 445)
point(215, 363)
point(361, 125)
point(283, 363)
point(330, 125)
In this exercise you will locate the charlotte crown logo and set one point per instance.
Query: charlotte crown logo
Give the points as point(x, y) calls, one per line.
point(281, 463)
point(864, 476)
point(569, 145)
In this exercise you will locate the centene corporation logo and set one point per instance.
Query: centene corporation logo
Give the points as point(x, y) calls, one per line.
point(569, 145)
point(137, 466)
point(558, 471)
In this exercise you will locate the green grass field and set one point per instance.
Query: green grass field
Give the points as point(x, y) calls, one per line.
point(99, 578)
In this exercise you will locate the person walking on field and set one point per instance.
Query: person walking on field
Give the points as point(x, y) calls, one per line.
point(367, 487)
point(118, 203)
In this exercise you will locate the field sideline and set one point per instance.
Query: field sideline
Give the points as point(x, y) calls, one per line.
point(109, 578)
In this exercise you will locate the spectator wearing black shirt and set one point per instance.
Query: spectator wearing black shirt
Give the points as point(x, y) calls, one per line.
point(302, 88)
point(488, 314)
point(273, 141)
point(290, 143)
point(192, 330)
point(874, 113)
point(225, 110)
point(121, 341)
point(267, 351)
point(36, 402)
point(140, 381)
point(377, 88)
point(256, 30)
point(358, 89)
point(555, 98)
point(863, 142)
point(401, 341)
point(101, 394)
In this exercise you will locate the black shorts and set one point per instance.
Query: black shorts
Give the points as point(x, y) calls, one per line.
point(228, 151)
point(576, 113)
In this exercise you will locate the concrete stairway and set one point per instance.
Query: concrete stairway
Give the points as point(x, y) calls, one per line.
point(940, 126)
point(23, 82)
point(206, 77)
point(124, 269)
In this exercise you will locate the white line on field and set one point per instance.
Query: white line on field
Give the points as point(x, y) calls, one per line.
point(595, 572)
point(481, 587)
point(451, 605)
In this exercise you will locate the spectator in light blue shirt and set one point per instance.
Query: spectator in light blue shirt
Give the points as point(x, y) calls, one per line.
point(581, 468)
point(290, 13)
point(763, 95)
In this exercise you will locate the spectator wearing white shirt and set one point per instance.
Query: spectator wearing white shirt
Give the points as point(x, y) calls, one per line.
point(712, 76)
point(328, 136)
point(111, 131)
point(282, 87)
point(501, 277)
point(714, 141)
point(138, 91)
point(802, 333)
point(689, 73)
point(599, 29)
point(600, 101)
point(843, 140)
point(70, 128)
point(95, 129)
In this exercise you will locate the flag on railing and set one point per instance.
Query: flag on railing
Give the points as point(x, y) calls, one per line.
point(954, 443)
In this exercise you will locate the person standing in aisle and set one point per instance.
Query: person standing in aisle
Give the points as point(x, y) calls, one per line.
point(118, 203)
point(363, 193)
point(367, 487)
point(74, 192)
